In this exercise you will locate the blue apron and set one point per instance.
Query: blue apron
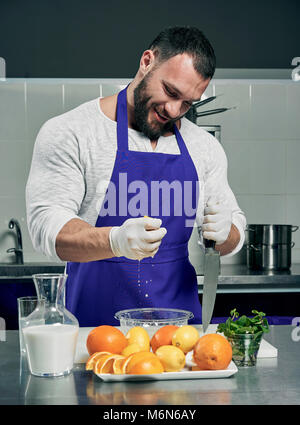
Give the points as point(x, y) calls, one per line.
point(96, 290)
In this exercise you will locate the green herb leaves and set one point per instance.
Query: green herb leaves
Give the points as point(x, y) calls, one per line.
point(244, 325)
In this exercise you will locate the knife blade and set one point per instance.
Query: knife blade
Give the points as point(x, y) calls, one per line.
point(213, 111)
point(204, 102)
point(210, 283)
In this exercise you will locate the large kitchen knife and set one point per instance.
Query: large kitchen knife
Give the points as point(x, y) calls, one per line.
point(211, 277)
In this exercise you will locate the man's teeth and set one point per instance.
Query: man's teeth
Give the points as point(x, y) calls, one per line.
point(160, 115)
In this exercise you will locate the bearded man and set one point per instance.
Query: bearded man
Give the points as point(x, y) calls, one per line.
point(90, 193)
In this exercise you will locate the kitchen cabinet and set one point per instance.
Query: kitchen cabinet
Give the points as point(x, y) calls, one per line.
point(280, 308)
point(16, 281)
point(277, 293)
point(9, 292)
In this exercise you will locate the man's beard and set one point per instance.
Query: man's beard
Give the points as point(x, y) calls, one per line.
point(141, 112)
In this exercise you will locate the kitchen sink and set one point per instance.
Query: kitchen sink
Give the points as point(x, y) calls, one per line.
point(28, 269)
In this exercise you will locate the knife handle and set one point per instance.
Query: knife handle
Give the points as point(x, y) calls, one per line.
point(209, 243)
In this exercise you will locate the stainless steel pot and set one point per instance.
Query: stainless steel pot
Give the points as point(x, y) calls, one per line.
point(269, 257)
point(270, 234)
point(269, 246)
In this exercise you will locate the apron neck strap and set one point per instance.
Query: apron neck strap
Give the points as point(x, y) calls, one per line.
point(122, 125)
point(180, 141)
point(122, 120)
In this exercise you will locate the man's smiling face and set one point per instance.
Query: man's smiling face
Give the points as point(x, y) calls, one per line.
point(165, 94)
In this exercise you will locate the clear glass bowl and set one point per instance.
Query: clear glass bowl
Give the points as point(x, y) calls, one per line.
point(152, 318)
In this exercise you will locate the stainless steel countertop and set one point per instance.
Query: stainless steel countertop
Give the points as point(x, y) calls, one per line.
point(272, 381)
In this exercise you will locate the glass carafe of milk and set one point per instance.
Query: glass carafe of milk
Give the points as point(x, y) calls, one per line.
point(50, 332)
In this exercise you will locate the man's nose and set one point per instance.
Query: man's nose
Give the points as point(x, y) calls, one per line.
point(173, 108)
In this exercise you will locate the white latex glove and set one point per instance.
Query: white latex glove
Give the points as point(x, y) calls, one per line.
point(217, 221)
point(137, 238)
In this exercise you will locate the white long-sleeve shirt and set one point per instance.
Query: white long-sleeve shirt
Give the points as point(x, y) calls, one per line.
point(72, 164)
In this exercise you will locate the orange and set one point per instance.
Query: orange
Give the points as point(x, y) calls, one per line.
point(212, 352)
point(197, 368)
point(163, 336)
point(134, 358)
point(106, 338)
point(185, 338)
point(93, 358)
point(145, 366)
point(105, 363)
point(172, 358)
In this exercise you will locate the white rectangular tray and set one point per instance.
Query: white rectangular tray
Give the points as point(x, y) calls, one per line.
point(185, 373)
point(167, 376)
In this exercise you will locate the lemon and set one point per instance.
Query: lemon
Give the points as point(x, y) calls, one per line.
point(132, 348)
point(185, 338)
point(171, 357)
point(139, 335)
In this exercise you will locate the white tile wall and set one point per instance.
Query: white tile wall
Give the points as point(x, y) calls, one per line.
point(12, 110)
point(75, 94)
point(43, 101)
point(262, 143)
point(261, 138)
point(268, 111)
point(293, 169)
point(263, 169)
point(12, 167)
point(263, 209)
point(293, 214)
point(293, 111)
point(110, 89)
point(238, 175)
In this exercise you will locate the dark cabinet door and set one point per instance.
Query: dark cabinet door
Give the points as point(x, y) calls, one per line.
point(280, 307)
point(9, 292)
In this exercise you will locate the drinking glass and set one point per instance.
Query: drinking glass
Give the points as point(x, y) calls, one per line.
point(26, 305)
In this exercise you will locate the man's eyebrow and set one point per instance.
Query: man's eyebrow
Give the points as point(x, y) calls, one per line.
point(171, 86)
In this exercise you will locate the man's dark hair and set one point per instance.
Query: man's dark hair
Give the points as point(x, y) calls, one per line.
point(177, 40)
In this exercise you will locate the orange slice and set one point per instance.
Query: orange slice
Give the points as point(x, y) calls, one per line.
point(125, 362)
point(105, 363)
point(93, 359)
point(117, 365)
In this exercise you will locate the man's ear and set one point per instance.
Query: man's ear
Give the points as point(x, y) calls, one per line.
point(147, 61)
